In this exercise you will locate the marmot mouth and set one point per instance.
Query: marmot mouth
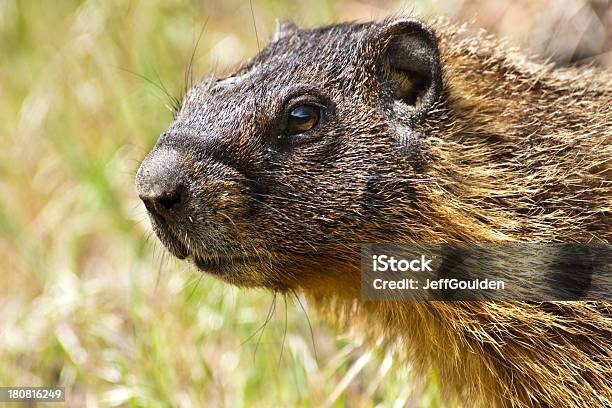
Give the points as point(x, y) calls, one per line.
point(217, 264)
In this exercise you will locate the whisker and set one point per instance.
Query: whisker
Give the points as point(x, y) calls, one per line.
point(268, 318)
point(254, 25)
point(312, 339)
point(159, 269)
point(195, 287)
point(175, 102)
point(280, 357)
point(160, 86)
point(227, 217)
point(255, 332)
point(189, 71)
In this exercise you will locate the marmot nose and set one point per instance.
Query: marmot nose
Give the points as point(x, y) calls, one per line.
point(159, 185)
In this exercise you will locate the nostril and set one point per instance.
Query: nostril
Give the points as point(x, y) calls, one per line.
point(162, 204)
point(169, 200)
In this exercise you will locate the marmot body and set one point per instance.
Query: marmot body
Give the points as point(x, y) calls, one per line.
point(389, 132)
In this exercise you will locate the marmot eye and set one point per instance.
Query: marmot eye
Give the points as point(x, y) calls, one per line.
point(303, 118)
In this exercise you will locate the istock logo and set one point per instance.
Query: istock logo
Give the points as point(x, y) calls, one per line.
point(384, 263)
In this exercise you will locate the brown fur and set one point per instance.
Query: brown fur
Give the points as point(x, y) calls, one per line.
point(545, 178)
point(511, 151)
point(549, 166)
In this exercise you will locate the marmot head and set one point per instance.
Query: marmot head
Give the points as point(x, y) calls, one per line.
point(302, 151)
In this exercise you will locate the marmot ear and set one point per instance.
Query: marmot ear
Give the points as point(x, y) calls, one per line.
point(410, 59)
point(283, 29)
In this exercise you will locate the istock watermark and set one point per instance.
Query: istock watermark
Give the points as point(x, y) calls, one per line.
point(526, 272)
point(383, 263)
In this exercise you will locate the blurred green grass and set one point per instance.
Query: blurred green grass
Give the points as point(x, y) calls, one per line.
point(88, 298)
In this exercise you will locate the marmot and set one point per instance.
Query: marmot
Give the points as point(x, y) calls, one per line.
point(396, 131)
